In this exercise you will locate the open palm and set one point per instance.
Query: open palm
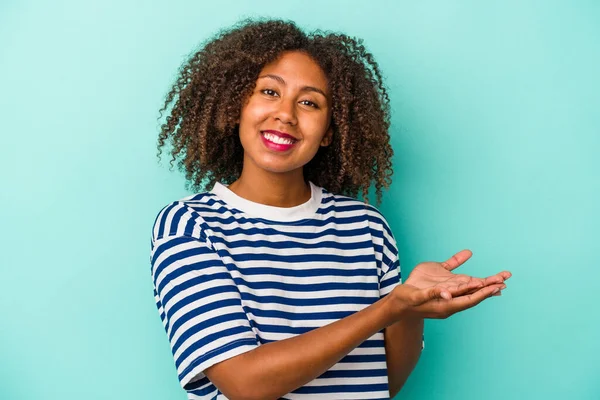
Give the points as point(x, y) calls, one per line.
point(435, 274)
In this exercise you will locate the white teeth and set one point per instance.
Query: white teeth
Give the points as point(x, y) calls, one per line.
point(277, 139)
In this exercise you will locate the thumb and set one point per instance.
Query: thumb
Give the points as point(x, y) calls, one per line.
point(432, 293)
point(437, 293)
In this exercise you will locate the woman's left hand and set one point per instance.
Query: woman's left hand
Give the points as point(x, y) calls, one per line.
point(428, 274)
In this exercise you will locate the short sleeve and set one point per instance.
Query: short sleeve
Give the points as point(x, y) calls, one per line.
point(390, 263)
point(200, 306)
point(390, 278)
point(391, 274)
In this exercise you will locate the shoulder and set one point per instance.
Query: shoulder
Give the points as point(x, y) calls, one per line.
point(185, 217)
point(357, 208)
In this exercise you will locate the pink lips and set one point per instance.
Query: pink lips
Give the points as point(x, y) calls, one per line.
point(280, 134)
point(276, 146)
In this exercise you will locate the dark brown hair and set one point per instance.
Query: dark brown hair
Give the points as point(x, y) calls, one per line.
point(213, 84)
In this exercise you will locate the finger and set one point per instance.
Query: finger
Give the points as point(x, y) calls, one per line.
point(501, 286)
point(457, 260)
point(499, 277)
point(490, 280)
point(462, 288)
point(505, 274)
point(464, 302)
point(421, 296)
point(471, 281)
point(433, 293)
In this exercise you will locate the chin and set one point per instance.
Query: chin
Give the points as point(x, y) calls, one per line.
point(281, 170)
point(278, 168)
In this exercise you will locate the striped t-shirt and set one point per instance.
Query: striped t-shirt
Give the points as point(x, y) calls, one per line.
point(230, 275)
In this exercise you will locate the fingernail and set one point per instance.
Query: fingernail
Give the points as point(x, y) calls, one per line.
point(496, 291)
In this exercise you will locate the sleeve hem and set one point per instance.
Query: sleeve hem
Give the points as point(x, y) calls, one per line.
point(195, 370)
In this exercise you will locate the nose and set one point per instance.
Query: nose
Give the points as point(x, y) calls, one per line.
point(286, 111)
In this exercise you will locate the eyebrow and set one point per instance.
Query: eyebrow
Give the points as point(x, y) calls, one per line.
point(304, 88)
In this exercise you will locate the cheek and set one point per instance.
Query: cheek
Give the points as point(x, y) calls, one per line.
point(318, 125)
point(254, 111)
point(252, 118)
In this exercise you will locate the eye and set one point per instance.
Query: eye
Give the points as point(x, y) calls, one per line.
point(310, 103)
point(268, 92)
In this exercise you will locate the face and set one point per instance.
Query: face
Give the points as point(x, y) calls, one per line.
point(287, 117)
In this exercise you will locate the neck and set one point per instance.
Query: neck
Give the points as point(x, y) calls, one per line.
point(272, 189)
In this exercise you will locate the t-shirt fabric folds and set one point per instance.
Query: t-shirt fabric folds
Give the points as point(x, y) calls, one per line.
point(231, 275)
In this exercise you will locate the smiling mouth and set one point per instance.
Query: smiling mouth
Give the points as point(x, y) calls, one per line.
point(278, 140)
point(276, 143)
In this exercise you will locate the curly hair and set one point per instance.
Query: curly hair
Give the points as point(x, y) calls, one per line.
point(215, 81)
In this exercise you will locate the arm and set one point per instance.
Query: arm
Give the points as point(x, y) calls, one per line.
point(211, 305)
point(277, 368)
point(203, 316)
point(403, 344)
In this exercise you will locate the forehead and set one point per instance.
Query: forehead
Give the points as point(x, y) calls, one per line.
point(297, 68)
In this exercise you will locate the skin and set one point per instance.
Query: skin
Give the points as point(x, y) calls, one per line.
point(432, 290)
point(447, 293)
point(281, 102)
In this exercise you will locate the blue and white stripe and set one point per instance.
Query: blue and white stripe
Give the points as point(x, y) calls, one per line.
point(231, 275)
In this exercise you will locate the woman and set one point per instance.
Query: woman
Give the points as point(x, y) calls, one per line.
point(278, 283)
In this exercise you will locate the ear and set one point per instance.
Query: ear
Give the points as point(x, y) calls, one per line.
point(328, 137)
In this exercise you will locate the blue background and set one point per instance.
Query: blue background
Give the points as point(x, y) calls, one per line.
point(496, 135)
